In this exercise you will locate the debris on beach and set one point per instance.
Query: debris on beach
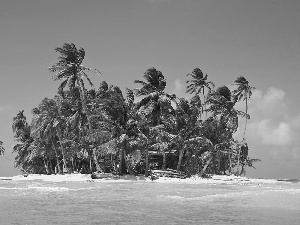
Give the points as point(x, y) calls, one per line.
point(168, 173)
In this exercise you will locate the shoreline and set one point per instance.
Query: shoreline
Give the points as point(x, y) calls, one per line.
point(215, 179)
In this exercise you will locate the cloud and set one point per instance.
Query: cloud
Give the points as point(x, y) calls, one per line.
point(271, 104)
point(272, 129)
point(279, 135)
point(179, 87)
point(272, 132)
point(296, 122)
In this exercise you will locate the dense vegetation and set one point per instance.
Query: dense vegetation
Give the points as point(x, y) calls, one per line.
point(106, 130)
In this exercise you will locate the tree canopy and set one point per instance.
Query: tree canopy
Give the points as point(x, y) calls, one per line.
point(106, 130)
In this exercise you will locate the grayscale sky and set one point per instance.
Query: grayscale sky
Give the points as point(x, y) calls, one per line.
point(257, 39)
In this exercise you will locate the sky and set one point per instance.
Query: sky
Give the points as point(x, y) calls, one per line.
point(257, 39)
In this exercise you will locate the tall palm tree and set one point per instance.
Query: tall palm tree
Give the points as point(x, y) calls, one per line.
point(198, 83)
point(70, 71)
point(154, 96)
point(243, 92)
point(76, 125)
point(1, 148)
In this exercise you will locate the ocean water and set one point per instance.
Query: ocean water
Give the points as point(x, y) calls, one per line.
point(141, 202)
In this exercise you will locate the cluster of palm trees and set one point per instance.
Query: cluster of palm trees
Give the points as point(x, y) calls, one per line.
point(104, 130)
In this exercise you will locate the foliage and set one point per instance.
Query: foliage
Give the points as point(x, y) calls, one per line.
point(106, 130)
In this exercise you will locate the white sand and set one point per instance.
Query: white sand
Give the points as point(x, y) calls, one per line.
point(216, 179)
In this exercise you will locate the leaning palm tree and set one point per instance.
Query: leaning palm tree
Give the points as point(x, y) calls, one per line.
point(1, 148)
point(243, 92)
point(154, 97)
point(70, 71)
point(198, 83)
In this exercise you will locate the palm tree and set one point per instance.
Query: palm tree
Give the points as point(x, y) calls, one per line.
point(40, 151)
point(224, 113)
point(198, 84)
point(48, 122)
point(119, 119)
point(76, 133)
point(183, 126)
point(243, 92)
point(1, 148)
point(153, 92)
point(20, 127)
point(22, 135)
point(154, 96)
point(70, 71)
point(222, 107)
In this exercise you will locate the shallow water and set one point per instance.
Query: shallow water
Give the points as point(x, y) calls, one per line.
point(141, 202)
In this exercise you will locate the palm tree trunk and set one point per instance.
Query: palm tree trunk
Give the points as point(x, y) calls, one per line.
point(46, 164)
point(62, 147)
point(238, 169)
point(122, 162)
point(98, 168)
point(84, 105)
point(88, 116)
point(238, 162)
point(229, 158)
point(147, 154)
point(205, 167)
point(164, 165)
point(147, 163)
point(181, 151)
point(73, 164)
point(246, 119)
point(57, 158)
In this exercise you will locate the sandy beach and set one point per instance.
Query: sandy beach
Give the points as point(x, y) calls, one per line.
point(215, 179)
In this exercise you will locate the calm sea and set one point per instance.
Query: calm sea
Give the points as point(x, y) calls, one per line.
point(141, 202)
